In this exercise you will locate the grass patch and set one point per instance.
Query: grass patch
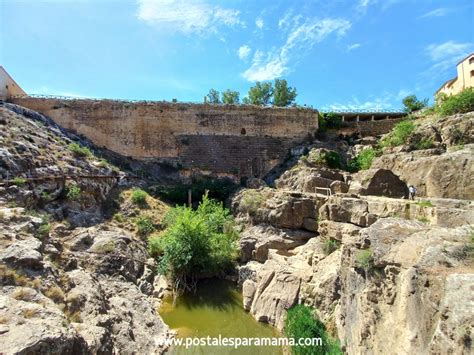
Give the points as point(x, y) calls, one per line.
point(424, 203)
point(73, 192)
point(424, 143)
point(330, 159)
point(144, 225)
point(18, 181)
point(363, 160)
point(364, 259)
point(423, 220)
point(330, 245)
point(55, 293)
point(78, 151)
point(44, 229)
point(252, 200)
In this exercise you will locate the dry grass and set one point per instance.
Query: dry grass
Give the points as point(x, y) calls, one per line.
point(55, 293)
point(10, 276)
point(29, 312)
point(24, 294)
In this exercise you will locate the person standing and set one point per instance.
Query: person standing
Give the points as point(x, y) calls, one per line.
point(411, 192)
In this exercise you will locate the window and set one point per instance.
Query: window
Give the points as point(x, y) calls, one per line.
point(472, 72)
point(471, 60)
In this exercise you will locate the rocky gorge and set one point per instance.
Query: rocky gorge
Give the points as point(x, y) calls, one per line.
point(385, 274)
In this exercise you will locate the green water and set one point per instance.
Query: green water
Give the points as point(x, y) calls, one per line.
point(215, 309)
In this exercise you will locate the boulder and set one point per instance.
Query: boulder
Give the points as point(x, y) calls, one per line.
point(378, 182)
point(24, 253)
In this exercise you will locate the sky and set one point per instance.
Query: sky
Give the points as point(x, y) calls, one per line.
point(360, 54)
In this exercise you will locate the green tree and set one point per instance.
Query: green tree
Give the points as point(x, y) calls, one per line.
point(230, 97)
point(260, 94)
point(301, 323)
point(196, 243)
point(282, 94)
point(213, 97)
point(412, 103)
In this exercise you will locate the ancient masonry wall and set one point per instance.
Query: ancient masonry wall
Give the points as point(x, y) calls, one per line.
point(232, 140)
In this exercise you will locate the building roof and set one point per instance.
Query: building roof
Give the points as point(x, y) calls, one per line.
point(447, 82)
point(462, 60)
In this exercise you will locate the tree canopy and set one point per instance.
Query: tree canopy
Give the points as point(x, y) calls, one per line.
point(213, 97)
point(230, 97)
point(260, 94)
point(411, 103)
point(282, 94)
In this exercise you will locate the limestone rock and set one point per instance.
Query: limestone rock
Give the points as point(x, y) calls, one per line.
point(24, 253)
point(378, 182)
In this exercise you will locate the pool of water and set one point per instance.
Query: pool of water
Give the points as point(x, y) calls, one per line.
point(215, 309)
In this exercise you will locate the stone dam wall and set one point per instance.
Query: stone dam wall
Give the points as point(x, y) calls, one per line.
point(226, 140)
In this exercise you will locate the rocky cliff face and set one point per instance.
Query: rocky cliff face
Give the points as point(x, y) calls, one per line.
point(72, 280)
point(386, 274)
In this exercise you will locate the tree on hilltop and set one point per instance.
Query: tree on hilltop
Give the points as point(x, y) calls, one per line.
point(260, 94)
point(282, 94)
point(230, 97)
point(412, 103)
point(213, 97)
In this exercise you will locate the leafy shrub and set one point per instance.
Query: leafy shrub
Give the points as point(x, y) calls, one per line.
point(330, 158)
point(19, 181)
point(119, 217)
point(73, 192)
point(459, 103)
point(44, 229)
point(364, 259)
point(199, 242)
point(79, 151)
point(330, 246)
point(144, 225)
point(300, 323)
point(399, 134)
point(363, 160)
point(139, 196)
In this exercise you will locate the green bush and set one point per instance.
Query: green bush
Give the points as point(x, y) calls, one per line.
point(460, 103)
point(330, 246)
point(144, 225)
point(300, 323)
point(196, 243)
point(139, 196)
point(399, 134)
point(79, 151)
point(411, 103)
point(363, 160)
point(44, 228)
point(19, 181)
point(364, 259)
point(331, 159)
point(73, 192)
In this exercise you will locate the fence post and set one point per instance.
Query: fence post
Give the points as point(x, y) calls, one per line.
point(190, 198)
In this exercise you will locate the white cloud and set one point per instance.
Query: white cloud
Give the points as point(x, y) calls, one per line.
point(353, 46)
point(244, 51)
point(386, 101)
point(436, 13)
point(186, 16)
point(449, 49)
point(301, 37)
point(259, 23)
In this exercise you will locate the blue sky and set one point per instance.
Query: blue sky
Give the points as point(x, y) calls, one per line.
point(338, 54)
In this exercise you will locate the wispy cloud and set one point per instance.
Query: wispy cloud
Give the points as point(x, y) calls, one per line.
point(259, 23)
point(186, 16)
point(353, 46)
point(244, 51)
point(436, 13)
point(449, 49)
point(386, 101)
point(300, 38)
point(444, 57)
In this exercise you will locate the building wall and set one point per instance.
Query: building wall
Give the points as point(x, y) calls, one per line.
point(465, 78)
point(241, 140)
point(8, 86)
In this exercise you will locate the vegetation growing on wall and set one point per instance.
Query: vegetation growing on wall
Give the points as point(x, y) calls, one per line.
point(399, 134)
point(301, 323)
point(196, 243)
point(459, 103)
